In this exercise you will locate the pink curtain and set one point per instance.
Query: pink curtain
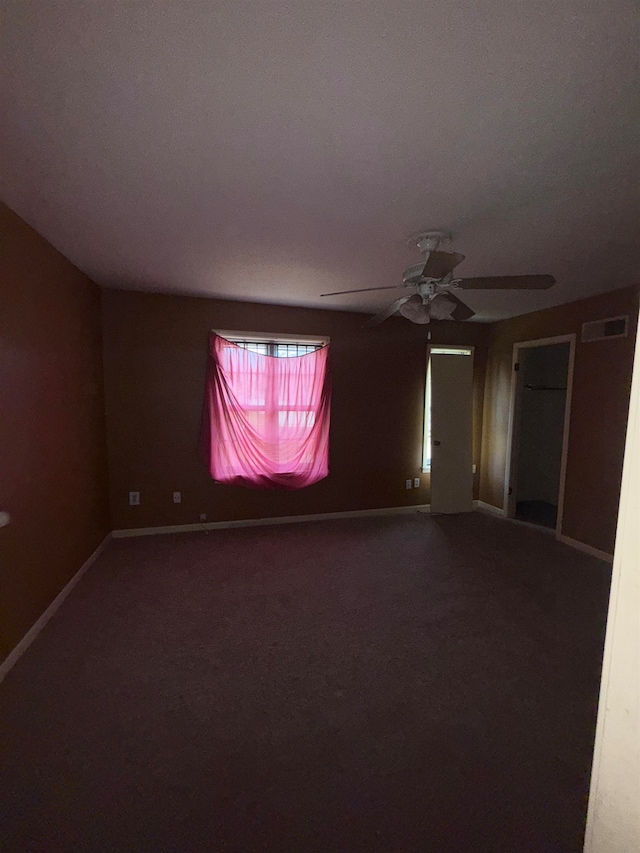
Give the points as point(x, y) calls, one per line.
point(265, 422)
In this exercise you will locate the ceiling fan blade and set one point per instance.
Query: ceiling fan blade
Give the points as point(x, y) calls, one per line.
point(508, 282)
point(363, 290)
point(440, 263)
point(384, 315)
point(460, 311)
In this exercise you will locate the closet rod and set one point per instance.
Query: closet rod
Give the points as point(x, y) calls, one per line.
point(544, 388)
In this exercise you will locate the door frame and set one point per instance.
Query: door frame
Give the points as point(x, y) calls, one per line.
point(511, 468)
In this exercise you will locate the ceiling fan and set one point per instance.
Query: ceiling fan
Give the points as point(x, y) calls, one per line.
point(429, 285)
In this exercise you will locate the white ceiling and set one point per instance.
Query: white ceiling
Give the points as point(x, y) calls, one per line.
point(270, 151)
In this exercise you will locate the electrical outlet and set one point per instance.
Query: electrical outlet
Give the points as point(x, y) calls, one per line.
point(134, 498)
point(416, 483)
point(473, 469)
point(177, 497)
point(203, 516)
point(407, 484)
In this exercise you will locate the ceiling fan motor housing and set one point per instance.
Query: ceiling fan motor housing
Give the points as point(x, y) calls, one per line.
point(413, 274)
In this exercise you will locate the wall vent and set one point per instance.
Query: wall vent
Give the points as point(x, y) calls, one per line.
point(598, 330)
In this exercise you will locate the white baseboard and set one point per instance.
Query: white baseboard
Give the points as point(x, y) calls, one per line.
point(494, 510)
point(582, 546)
point(260, 522)
point(16, 653)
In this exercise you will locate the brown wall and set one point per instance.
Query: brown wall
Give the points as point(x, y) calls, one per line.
point(53, 478)
point(154, 356)
point(600, 403)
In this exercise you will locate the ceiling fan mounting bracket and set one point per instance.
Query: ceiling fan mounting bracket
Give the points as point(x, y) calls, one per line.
point(428, 241)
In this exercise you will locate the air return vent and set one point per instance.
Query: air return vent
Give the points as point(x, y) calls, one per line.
point(598, 330)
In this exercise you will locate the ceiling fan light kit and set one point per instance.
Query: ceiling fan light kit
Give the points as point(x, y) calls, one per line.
point(416, 310)
point(442, 307)
point(431, 283)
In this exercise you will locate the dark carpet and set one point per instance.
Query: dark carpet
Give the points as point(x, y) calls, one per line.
point(378, 684)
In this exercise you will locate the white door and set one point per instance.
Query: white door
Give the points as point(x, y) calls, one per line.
point(451, 430)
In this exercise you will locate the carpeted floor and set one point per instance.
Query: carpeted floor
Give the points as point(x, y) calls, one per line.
point(379, 684)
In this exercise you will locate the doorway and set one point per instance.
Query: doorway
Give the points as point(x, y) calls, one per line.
point(541, 403)
point(448, 433)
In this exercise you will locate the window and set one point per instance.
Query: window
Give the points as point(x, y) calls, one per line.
point(426, 438)
point(267, 410)
point(289, 415)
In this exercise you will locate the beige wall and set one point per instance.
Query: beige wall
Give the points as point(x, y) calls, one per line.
point(53, 478)
point(600, 402)
point(154, 355)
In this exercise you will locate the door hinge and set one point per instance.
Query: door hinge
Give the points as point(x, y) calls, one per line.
point(516, 367)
